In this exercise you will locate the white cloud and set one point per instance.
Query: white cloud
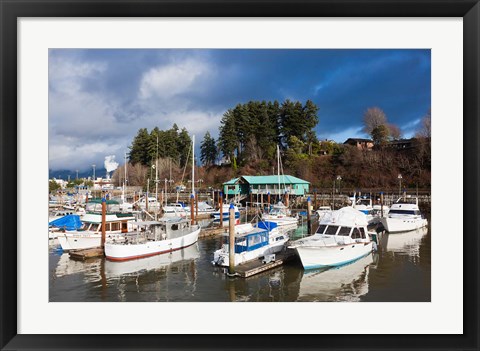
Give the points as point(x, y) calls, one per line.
point(165, 82)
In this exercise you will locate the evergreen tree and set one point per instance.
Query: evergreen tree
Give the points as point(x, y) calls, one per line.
point(184, 143)
point(208, 150)
point(138, 149)
point(227, 141)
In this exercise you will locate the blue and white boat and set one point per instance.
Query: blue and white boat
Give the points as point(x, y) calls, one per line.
point(341, 237)
point(252, 242)
point(226, 212)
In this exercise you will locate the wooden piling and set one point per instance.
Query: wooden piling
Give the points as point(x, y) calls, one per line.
point(231, 242)
point(192, 213)
point(221, 208)
point(381, 204)
point(104, 221)
point(315, 199)
point(309, 216)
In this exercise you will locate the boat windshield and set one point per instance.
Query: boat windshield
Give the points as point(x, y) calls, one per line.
point(321, 228)
point(358, 233)
point(331, 230)
point(345, 231)
point(410, 212)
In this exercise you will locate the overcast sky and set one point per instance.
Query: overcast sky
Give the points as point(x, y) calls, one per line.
point(98, 99)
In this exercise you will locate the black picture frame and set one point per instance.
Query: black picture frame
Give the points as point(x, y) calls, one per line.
point(12, 10)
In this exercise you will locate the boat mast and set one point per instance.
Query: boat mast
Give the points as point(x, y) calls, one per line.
point(156, 175)
point(193, 166)
point(124, 179)
point(278, 171)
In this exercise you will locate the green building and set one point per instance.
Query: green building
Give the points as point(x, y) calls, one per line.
point(275, 185)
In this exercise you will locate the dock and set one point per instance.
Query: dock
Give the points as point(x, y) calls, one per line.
point(209, 232)
point(257, 266)
point(86, 254)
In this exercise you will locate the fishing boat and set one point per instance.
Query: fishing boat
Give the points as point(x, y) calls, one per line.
point(373, 212)
point(404, 216)
point(341, 237)
point(225, 209)
point(281, 215)
point(90, 234)
point(152, 238)
point(252, 242)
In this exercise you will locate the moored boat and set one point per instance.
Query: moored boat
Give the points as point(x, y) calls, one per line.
point(404, 216)
point(281, 215)
point(341, 237)
point(225, 210)
point(90, 234)
point(152, 238)
point(252, 242)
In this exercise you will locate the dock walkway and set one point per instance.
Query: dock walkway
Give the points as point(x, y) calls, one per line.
point(257, 266)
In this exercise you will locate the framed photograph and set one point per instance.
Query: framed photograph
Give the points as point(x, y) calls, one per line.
point(312, 127)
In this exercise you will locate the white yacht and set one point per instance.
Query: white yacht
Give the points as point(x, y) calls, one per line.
point(404, 216)
point(322, 211)
point(174, 210)
point(342, 237)
point(226, 212)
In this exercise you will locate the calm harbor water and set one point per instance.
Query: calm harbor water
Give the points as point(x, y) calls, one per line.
point(399, 271)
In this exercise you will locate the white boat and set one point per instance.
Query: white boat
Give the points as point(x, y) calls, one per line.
point(373, 212)
point(322, 211)
point(281, 215)
point(174, 210)
point(203, 208)
point(153, 238)
point(90, 235)
point(226, 212)
point(341, 237)
point(153, 204)
point(252, 242)
point(404, 216)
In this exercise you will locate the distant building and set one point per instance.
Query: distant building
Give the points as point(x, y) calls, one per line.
point(402, 144)
point(246, 185)
point(362, 144)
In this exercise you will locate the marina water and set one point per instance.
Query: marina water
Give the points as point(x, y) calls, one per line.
point(399, 271)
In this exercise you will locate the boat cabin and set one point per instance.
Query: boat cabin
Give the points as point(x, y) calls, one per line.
point(251, 241)
point(337, 230)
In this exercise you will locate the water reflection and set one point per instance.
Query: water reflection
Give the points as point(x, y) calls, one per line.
point(344, 283)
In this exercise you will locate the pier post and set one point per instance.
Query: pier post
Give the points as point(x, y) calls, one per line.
point(196, 206)
point(231, 241)
point(309, 217)
point(192, 213)
point(268, 199)
point(220, 196)
point(286, 198)
point(381, 204)
point(104, 221)
point(315, 199)
point(146, 201)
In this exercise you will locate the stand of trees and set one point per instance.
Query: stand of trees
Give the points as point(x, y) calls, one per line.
point(251, 132)
point(172, 143)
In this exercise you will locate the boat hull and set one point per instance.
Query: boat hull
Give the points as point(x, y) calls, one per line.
point(331, 256)
point(398, 225)
point(221, 258)
point(123, 252)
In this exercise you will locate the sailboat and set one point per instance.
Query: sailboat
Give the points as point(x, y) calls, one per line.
point(279, 213)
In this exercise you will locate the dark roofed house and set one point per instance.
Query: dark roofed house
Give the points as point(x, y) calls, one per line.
point(402, 144)
point(362, 144)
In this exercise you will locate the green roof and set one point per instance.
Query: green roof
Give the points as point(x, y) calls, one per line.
point(270, 179)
